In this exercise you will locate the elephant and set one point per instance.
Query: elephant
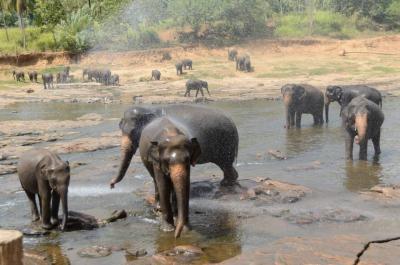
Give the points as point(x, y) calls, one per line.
point(216, 133)
point(33, 76)
point(247, 64)
point(187, 63)
point(42, 172)
point(14, 72)
point(344, 94)
point(114, 80)
point(156, 75)
point(179, 68)
point(102, 76)
point(362, 120)
point(66, 70)
point(195, 84)
point(61, 77)
point(232, 54)
point(20, 76)
point(90, 73)
point(240, 60)
point(167, 150)
point(48, 80)
point(302, 98)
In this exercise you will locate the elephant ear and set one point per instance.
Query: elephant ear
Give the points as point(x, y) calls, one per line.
point(196, 151)
point(300, 92)
point(338, 92)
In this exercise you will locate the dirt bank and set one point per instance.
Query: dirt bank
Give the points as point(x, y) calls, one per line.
point(317, 62)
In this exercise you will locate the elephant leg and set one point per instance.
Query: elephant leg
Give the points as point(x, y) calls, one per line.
point(197, 92)
point(298, 119)
point(34, 209)
point(55, 205)
point(156, 192)
point(174, 203)
point(164, 187)
point(349, 142)
point(321, 117)
point(208, 92)
point(292, 116)
point(45, 202)
point(202, 92)
point(363, 150)
point(376, 141)
point(186, 93)
point(230, 175)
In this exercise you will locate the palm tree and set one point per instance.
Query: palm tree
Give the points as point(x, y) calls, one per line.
point(5, 5)
point(21, 6)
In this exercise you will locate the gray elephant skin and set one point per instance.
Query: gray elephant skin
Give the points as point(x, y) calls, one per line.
point(33, 76)
point(19, 76)
point(156, 75)
point(344, 94)
point(114, 80)
point(299, 99)
point(48, 79)
point(179, 68)
point(187, 64)
point(232, 54)
point(215, 133)
point(362, 120)
point(42, 172)
point(168, 150)
point(198, 85)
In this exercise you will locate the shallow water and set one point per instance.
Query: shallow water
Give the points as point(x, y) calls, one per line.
point(222, 228)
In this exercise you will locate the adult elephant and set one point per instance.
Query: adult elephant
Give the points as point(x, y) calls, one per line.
point(362, 120)
point(187, 64)
point(179, 68)
point(168, 149)
point(216, 133)
point(302, 98)
point(196, 84)
point(156, 75)
point(344, 94)
point(240, 63)
point(48, 79)
point(232, 54)
point(42, 172)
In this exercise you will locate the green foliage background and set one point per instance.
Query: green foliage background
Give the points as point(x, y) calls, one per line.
point(80, 25)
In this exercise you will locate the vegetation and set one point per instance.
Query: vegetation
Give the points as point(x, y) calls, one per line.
point(80, 25)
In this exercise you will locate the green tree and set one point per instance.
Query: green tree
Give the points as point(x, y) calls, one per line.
point(49, 14)
point(5, 6)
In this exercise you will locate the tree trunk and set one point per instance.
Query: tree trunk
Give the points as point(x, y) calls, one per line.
point(21, 24)
point(11, 247)
point(5, 26)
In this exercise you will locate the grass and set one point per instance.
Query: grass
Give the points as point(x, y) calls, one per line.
point(36, 40)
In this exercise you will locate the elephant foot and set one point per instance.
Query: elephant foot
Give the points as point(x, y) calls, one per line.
point(35, 218)
point(54, 221)
point(47, 226)
point(227, 182)
point(166, 227)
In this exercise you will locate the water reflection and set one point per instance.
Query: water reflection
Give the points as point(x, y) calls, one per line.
point(299, 141)
point(215, 231)
point(361, 175)
point(54, 254)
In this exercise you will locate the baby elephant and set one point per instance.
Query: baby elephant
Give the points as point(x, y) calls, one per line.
point(33, 76)
point(195, 84)
point(48, 80)
point(179, 68)
point(61, 77)
point(42, 172)
point(19, 76)
point(156, 75)
point(362, 120)
point(114, 80)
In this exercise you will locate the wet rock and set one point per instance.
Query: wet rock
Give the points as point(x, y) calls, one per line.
point(35, 231)
point(116, 215)
point(325, 215)
point(94, 252)
point(7, 169)
point(81, 221)
point(384, 193)
point(136, 252)
point(201, 189)
point(277, 154)
point(186, 254)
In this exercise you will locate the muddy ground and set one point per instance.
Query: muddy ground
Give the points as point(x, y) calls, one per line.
point(317, 62)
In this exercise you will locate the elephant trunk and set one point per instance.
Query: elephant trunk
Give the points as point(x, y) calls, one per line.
point(127, 151)
point(287, 100)
point(64, 202)
point(361, 124)
point(327, 102)
point(180, 176)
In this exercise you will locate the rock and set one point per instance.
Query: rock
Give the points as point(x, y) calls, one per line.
point(30, 91)
point(11, 247)
point(277, 154)
point(116, 215)
point(186, 254)
point(32, 257)
point(136, 252)
point(35, 231)
point(7, 169)
point(81, 221)
point(94, 252)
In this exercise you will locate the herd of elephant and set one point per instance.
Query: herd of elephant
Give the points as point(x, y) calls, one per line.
point(173, 138)
point(48, 78)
